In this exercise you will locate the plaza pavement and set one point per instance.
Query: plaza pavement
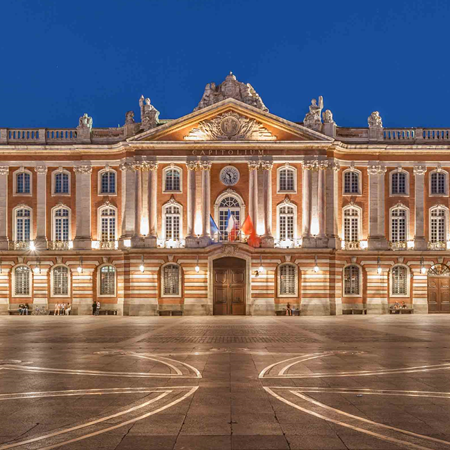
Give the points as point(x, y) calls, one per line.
point(117, 383)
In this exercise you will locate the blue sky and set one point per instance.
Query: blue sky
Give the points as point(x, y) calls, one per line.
point(63, 58)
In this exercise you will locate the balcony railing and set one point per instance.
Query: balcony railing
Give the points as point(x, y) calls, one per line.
point(351, 245)
point(398, 245)
point(59, 245)
point(437, 245)
point(21, 245)
point(108, 245)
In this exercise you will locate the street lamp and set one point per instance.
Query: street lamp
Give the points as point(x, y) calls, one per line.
point(80, 266)
point(197, 268)
point(378, 266)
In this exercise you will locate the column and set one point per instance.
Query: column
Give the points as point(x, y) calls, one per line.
point(128, 202)
point(267, 240)
point(420, 242)
point(192, 166)
point(41, 195)
point(152, 183)
point(332, 205)
point(321, 198)
point(377, 239)
point(306, 201)
point(253, 193)
point(83, 207)
point(206, 202)
point(4, 171)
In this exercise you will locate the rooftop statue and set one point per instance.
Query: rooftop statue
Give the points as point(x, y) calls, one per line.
point(149, 114)
point(313, 119)
point(374, 120)
point(230, 88)
point(85, 121)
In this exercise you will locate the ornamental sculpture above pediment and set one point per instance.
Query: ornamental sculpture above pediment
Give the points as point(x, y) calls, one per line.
point(230, 126)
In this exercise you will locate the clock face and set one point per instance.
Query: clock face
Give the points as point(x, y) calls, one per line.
point(229, 175)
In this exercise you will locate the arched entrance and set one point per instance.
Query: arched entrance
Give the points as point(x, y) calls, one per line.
point(439, 289)
point(229, 286)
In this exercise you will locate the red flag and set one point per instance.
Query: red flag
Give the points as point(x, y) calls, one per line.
point(248, 229)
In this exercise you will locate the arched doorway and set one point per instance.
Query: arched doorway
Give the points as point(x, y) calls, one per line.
point(439, 289)
point(229, 286)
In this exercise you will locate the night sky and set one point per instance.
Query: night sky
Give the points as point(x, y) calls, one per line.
point(60, 59)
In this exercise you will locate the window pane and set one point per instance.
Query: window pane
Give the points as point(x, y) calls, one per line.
point(171, 282)
point(287, 279)
point(107, 280)
point(351, 280)
point(399, 280)
point(60, 281)
point(22, 280)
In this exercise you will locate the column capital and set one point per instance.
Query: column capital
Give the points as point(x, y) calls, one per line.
point(84, 169)
point(420, 170)
point(4, 170)
point(334, 165)
point(41, 170)
point(376, 169)
point(323, 165)
point(266, 165)
point(253, 165)
point(127, 166)
point(205, 165)
point(192, 165)
point(145, 166)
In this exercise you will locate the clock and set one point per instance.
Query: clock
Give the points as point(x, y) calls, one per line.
point(229, 175)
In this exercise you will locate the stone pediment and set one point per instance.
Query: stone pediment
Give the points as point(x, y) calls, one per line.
point(230, 120)
point(230, 126)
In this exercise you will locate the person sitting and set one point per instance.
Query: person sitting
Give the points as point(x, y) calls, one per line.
point(404, 305)
point(288, 309)
point(27, 307)
point(67, 309)
point(21, 309)
point(56, 312)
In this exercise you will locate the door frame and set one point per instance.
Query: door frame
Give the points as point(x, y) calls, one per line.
point(230, 251)
point(439, 277)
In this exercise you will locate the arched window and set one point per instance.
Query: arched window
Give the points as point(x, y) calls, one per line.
point(61, 224)
point(228, 203)
point(352, 182)
point(287, 221)
point(107, 224)
point(399, 182)
point(22, 281)
point(352, 280)
point(287, 179)
point(438, 182)
point(399, 224)
point(22, 224)
point(399, 280)
point(172, 179)
point(172, 214)
point(171, 281)
point(61, 182)
point(438, 224)
point(107, 182)
point(352, 224)
point(60, 281)
point(23, 182)
point(287, 280)
point(107, 280)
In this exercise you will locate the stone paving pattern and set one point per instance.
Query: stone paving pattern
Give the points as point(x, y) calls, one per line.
point(230, 409)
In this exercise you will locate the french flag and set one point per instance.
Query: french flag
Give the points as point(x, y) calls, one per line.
point(232, 226)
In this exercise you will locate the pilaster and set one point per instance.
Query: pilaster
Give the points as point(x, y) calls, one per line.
point(4, 171)
point(206, 203)
point(128, 202)
point(267, 240)
point(41, 194)
point(377, 239)
point(82, 239)
point(420, 242)
point(191, 239)
point(332, 205)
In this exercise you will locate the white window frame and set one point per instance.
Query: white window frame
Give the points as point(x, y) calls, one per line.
point(446, 218)
point(99, 294)
point(169, 204)
point(360, 282)
point(13, 281)
point(100, 173)
point(180, 275)
point(99, 221)
point(405, 208)
point(56, 172)
point(293, 169)
point(391, 174)
point(445, 194)
point(69, 217)
point(280, 295)
point(359, 210)
point(408, 281)
point(359, 174)
point(16, 173)
point(180, 171)
point(287, 202)
point(52, 282)
point(229, 193)
point(14, 224)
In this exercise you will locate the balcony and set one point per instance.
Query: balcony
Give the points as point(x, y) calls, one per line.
point(60, 245)
point(22, 245)
point(437, 246)
point(398, 245)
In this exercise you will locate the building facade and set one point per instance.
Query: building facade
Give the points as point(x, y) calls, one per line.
point(348, 218)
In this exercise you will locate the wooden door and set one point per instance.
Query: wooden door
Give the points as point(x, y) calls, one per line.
point(439, 294)
point(229, 286)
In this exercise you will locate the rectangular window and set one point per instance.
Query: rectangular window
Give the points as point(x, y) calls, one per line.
point(287, 280)
point(171, 280)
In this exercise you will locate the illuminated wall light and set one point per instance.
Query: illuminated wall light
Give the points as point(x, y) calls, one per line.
point(410, 245)
point(364, 245)
point(95, 244)
point(80, 266)
point(423, 269)
point(379, 270)
point(261, 267)
point(316, 265)
point(32, 246)
point(144, 227)
point(197, 268)
point(127, 242)
point(142, 267)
